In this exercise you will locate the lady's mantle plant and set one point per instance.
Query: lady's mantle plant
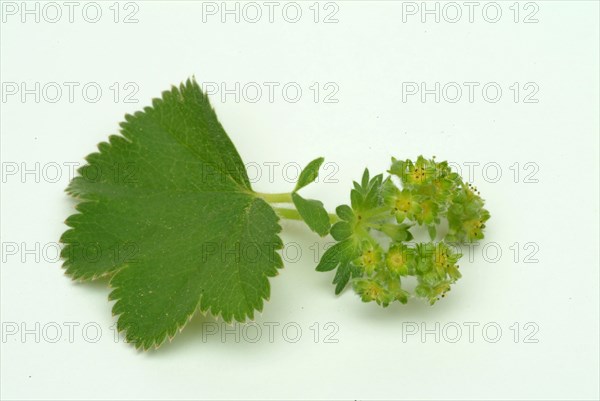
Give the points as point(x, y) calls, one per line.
point(167, 212)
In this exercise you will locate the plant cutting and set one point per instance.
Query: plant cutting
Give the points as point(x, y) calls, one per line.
point(166, 211)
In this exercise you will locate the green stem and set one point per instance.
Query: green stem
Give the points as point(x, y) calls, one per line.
point(292, 214)
point(286, 213)
point(276, 198)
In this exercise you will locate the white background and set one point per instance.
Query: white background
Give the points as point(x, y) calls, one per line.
point(369, 55)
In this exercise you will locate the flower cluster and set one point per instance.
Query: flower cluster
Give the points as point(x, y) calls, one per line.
point(428, 191)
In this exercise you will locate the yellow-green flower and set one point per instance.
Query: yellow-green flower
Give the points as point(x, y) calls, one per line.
point(404, 205)
point(370, 290)
point(428, 211)
point(370, 258)
point(444, 261)
point(399, 259)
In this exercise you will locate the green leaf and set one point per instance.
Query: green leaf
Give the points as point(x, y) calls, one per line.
point(331, 258)
point(432, 230)
point(202, 239)
point(313, 213)
point(365, 178)
point(341, 230)
point(339, 256)
point(345, 212)
point(344, 273)
point(356, 199)
point(309, 174)
point(397, 232)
